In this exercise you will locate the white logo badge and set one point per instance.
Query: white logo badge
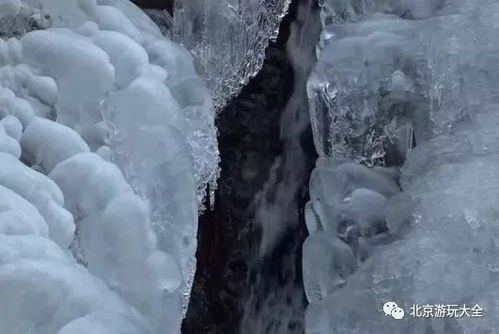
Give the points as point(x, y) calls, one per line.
point(392, 309)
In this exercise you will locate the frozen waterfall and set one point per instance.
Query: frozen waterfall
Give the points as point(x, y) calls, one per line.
point(418, 226)
point(107, 143)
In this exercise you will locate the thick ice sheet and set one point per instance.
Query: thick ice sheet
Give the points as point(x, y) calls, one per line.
point(435, 241)
point(85, 76)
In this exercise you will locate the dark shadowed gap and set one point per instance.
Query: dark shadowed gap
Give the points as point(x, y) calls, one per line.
point(155, 4)
point(276, 303)
point(249, 142)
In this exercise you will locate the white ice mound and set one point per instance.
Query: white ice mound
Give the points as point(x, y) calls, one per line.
point(10, 133)
point(436, 241)
point(41, 285)
point(116, 240)
point(46, 143)
point(84, 76)
point(228, 39)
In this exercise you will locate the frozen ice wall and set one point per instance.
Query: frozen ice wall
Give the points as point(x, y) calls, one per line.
point(228, 39)
point(99, 235)
point(390, 75)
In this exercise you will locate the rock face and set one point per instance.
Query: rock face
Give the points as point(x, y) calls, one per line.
point(392, 74)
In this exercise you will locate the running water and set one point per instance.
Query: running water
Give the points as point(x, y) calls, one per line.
point(276, 301)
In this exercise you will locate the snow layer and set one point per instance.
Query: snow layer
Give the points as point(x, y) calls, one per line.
point(85, 76)
point(430, 68)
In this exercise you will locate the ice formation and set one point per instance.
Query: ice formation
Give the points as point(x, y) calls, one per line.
point(107, 141)
point(390, 72)
point(228, 39)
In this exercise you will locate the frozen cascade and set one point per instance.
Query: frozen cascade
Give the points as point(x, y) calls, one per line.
point(119, 133)
point(228, 39)
point(423, 228)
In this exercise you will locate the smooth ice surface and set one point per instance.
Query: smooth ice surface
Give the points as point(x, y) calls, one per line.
point(228, 39)
point(107, 142)
point(391, 72)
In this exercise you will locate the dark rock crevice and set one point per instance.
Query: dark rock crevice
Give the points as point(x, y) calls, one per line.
point(249, 142)
point(155, 4)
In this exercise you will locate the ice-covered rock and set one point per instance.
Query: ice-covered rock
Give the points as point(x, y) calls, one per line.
point(85, 76)
point(41, 285)
point(19, 216)
point(345, 218)
point(9, 7)
point(45, 295)
point(115, 235)
point(433, 77)
point(10, 130)
point(41, 192)
point(228, 39)
point(46, 144)
point(103, 323)
point(362, 92)
point(370, 206)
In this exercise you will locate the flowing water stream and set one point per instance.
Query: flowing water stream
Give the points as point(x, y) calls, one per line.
point(248, 276)
point(276, 301)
